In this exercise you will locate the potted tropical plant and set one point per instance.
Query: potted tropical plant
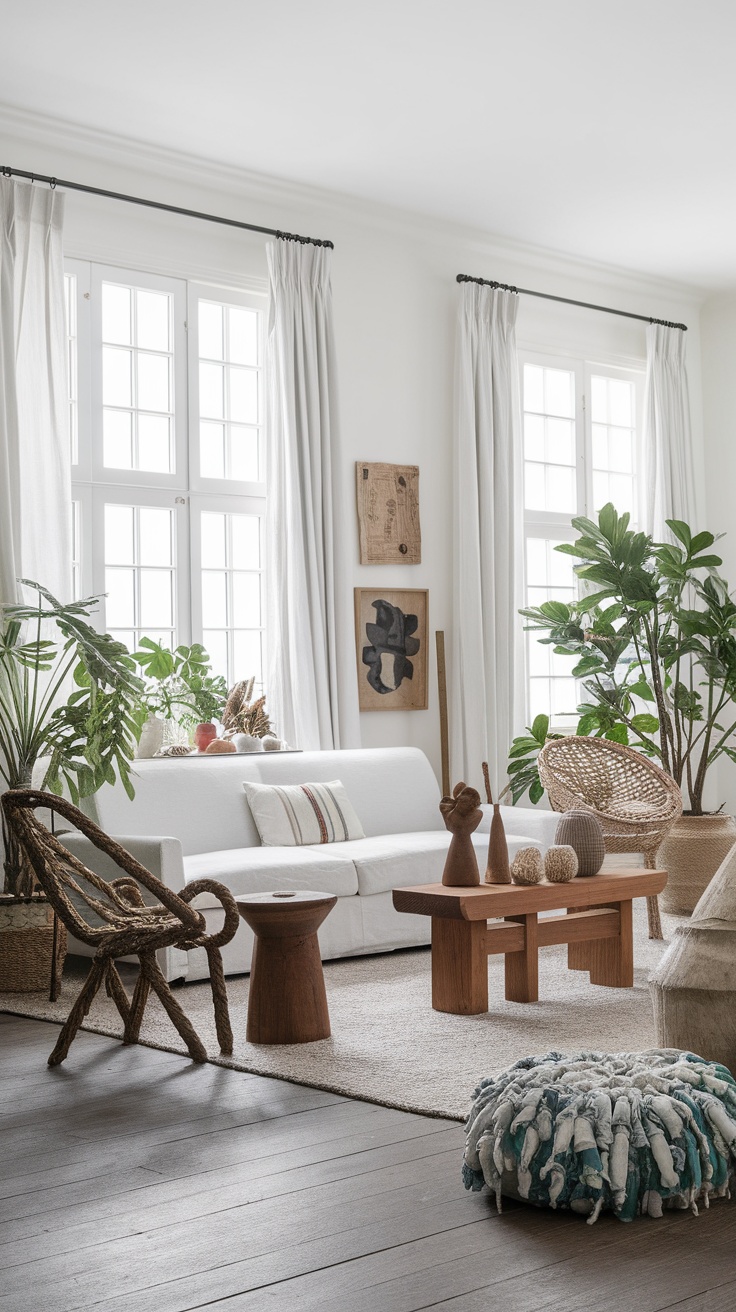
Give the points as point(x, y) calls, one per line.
point(653, 637)
point(180, 691)
point(85, 740)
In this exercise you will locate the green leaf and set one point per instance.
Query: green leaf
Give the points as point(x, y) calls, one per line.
point(540, 729)
point(700, 542)
point(536, 792)
point(587, 724)
point(587, 666)
point(681, 531)
point(618, 733)
point(641, 689)
point(522, 747)
point(645, 723)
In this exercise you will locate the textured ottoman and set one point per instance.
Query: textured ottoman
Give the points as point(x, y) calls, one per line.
point(632, 1133)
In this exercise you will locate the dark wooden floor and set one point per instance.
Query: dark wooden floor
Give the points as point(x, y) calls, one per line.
point(136, 1182)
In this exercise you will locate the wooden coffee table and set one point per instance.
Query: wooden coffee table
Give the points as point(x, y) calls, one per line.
point(597, 926)
point(287, 1002)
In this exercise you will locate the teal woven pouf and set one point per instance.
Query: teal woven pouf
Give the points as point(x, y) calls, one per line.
point(629, 1132)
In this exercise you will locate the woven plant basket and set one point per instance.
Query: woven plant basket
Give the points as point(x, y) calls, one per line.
point(26, 944)
point(691, 853)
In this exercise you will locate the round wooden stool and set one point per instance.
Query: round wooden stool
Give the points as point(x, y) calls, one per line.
point(287, 1002)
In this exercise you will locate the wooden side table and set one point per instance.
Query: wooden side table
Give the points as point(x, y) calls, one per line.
point(596, 926)
point(287, 1002)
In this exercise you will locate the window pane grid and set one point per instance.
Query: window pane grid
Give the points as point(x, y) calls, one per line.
point(613, 443)
point(550, 577)
point(549, 439)
point(137, 379)
point(232, 605)
point(230, 385)
point(140, 574)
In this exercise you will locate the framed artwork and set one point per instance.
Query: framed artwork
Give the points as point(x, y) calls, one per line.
point(391, 632)
point(388, 514)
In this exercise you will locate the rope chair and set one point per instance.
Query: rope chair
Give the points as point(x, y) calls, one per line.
point(121, 923)
point(635, 802)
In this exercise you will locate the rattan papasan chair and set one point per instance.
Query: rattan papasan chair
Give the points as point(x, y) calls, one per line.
point(113, 918)
point(634, 800)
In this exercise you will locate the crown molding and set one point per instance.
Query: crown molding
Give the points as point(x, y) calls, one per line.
point(108, 153)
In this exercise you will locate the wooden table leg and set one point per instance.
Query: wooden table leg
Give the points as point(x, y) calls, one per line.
point(522, 968)
point(459, 966)
point(612, 959)
point(578, 954)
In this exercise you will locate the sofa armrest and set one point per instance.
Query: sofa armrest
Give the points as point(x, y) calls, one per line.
point(524, 822)
point(162, 856)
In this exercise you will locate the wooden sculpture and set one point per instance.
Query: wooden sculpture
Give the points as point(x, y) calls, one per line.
point(497, 868)
point(461, 814)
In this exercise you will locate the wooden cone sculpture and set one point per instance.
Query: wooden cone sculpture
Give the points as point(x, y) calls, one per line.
point(461, 814)
point(497, 869)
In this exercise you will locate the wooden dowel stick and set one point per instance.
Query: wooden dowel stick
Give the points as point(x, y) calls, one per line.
point(442, 690)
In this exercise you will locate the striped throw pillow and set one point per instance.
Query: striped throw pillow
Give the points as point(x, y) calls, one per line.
point(296, 814)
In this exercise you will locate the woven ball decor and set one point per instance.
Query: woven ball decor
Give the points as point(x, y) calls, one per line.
point(582, 832)
point(527, 866)
point(560, 864)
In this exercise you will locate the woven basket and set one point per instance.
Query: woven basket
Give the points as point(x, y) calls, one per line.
point(26, 945)
point(691, 853)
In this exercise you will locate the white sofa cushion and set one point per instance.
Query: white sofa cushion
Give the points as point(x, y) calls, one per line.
point(401, 860)
point(245, 870)
point(294, 815)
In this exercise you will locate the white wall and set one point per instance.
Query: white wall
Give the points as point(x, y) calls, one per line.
point(395, 305)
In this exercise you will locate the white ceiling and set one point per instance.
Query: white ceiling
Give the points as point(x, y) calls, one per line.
point(605, 130)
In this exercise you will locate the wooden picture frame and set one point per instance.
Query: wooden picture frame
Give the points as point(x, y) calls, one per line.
point(392, 637)
point(388, 513)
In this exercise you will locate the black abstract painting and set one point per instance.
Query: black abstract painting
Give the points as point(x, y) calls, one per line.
point(391, 644)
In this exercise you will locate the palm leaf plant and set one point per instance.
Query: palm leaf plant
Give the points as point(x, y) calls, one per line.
point(653, 638)
point(89, 738)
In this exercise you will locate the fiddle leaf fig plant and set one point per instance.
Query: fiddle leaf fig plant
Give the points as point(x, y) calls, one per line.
point(653, 639)
point(89, 738)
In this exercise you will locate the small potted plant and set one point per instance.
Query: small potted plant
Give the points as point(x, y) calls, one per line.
point(181, 692)
point(84, 740)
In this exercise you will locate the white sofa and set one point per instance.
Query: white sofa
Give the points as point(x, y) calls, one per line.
point(190, 818)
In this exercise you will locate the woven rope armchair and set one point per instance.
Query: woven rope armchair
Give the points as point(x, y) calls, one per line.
point(635, 802)
point(120, 923)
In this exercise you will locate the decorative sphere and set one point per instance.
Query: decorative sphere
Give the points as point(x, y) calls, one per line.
point(527, 866)
point(560, 864)
point(219, 746)
point(582, 831)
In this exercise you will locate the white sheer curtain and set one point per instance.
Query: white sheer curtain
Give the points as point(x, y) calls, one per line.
point(312, 688)
point(35, 486)
point(487, 641)
point(668, 456)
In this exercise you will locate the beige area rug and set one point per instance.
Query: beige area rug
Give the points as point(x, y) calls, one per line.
point(388, 1045)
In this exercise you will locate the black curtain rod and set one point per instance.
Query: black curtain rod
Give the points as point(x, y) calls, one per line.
point(586, 305)
point(159, 205)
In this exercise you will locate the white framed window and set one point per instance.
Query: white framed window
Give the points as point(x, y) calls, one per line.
point(162, 460)
point(581, 449)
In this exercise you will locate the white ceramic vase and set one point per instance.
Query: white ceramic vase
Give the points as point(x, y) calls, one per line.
point(152, 737)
